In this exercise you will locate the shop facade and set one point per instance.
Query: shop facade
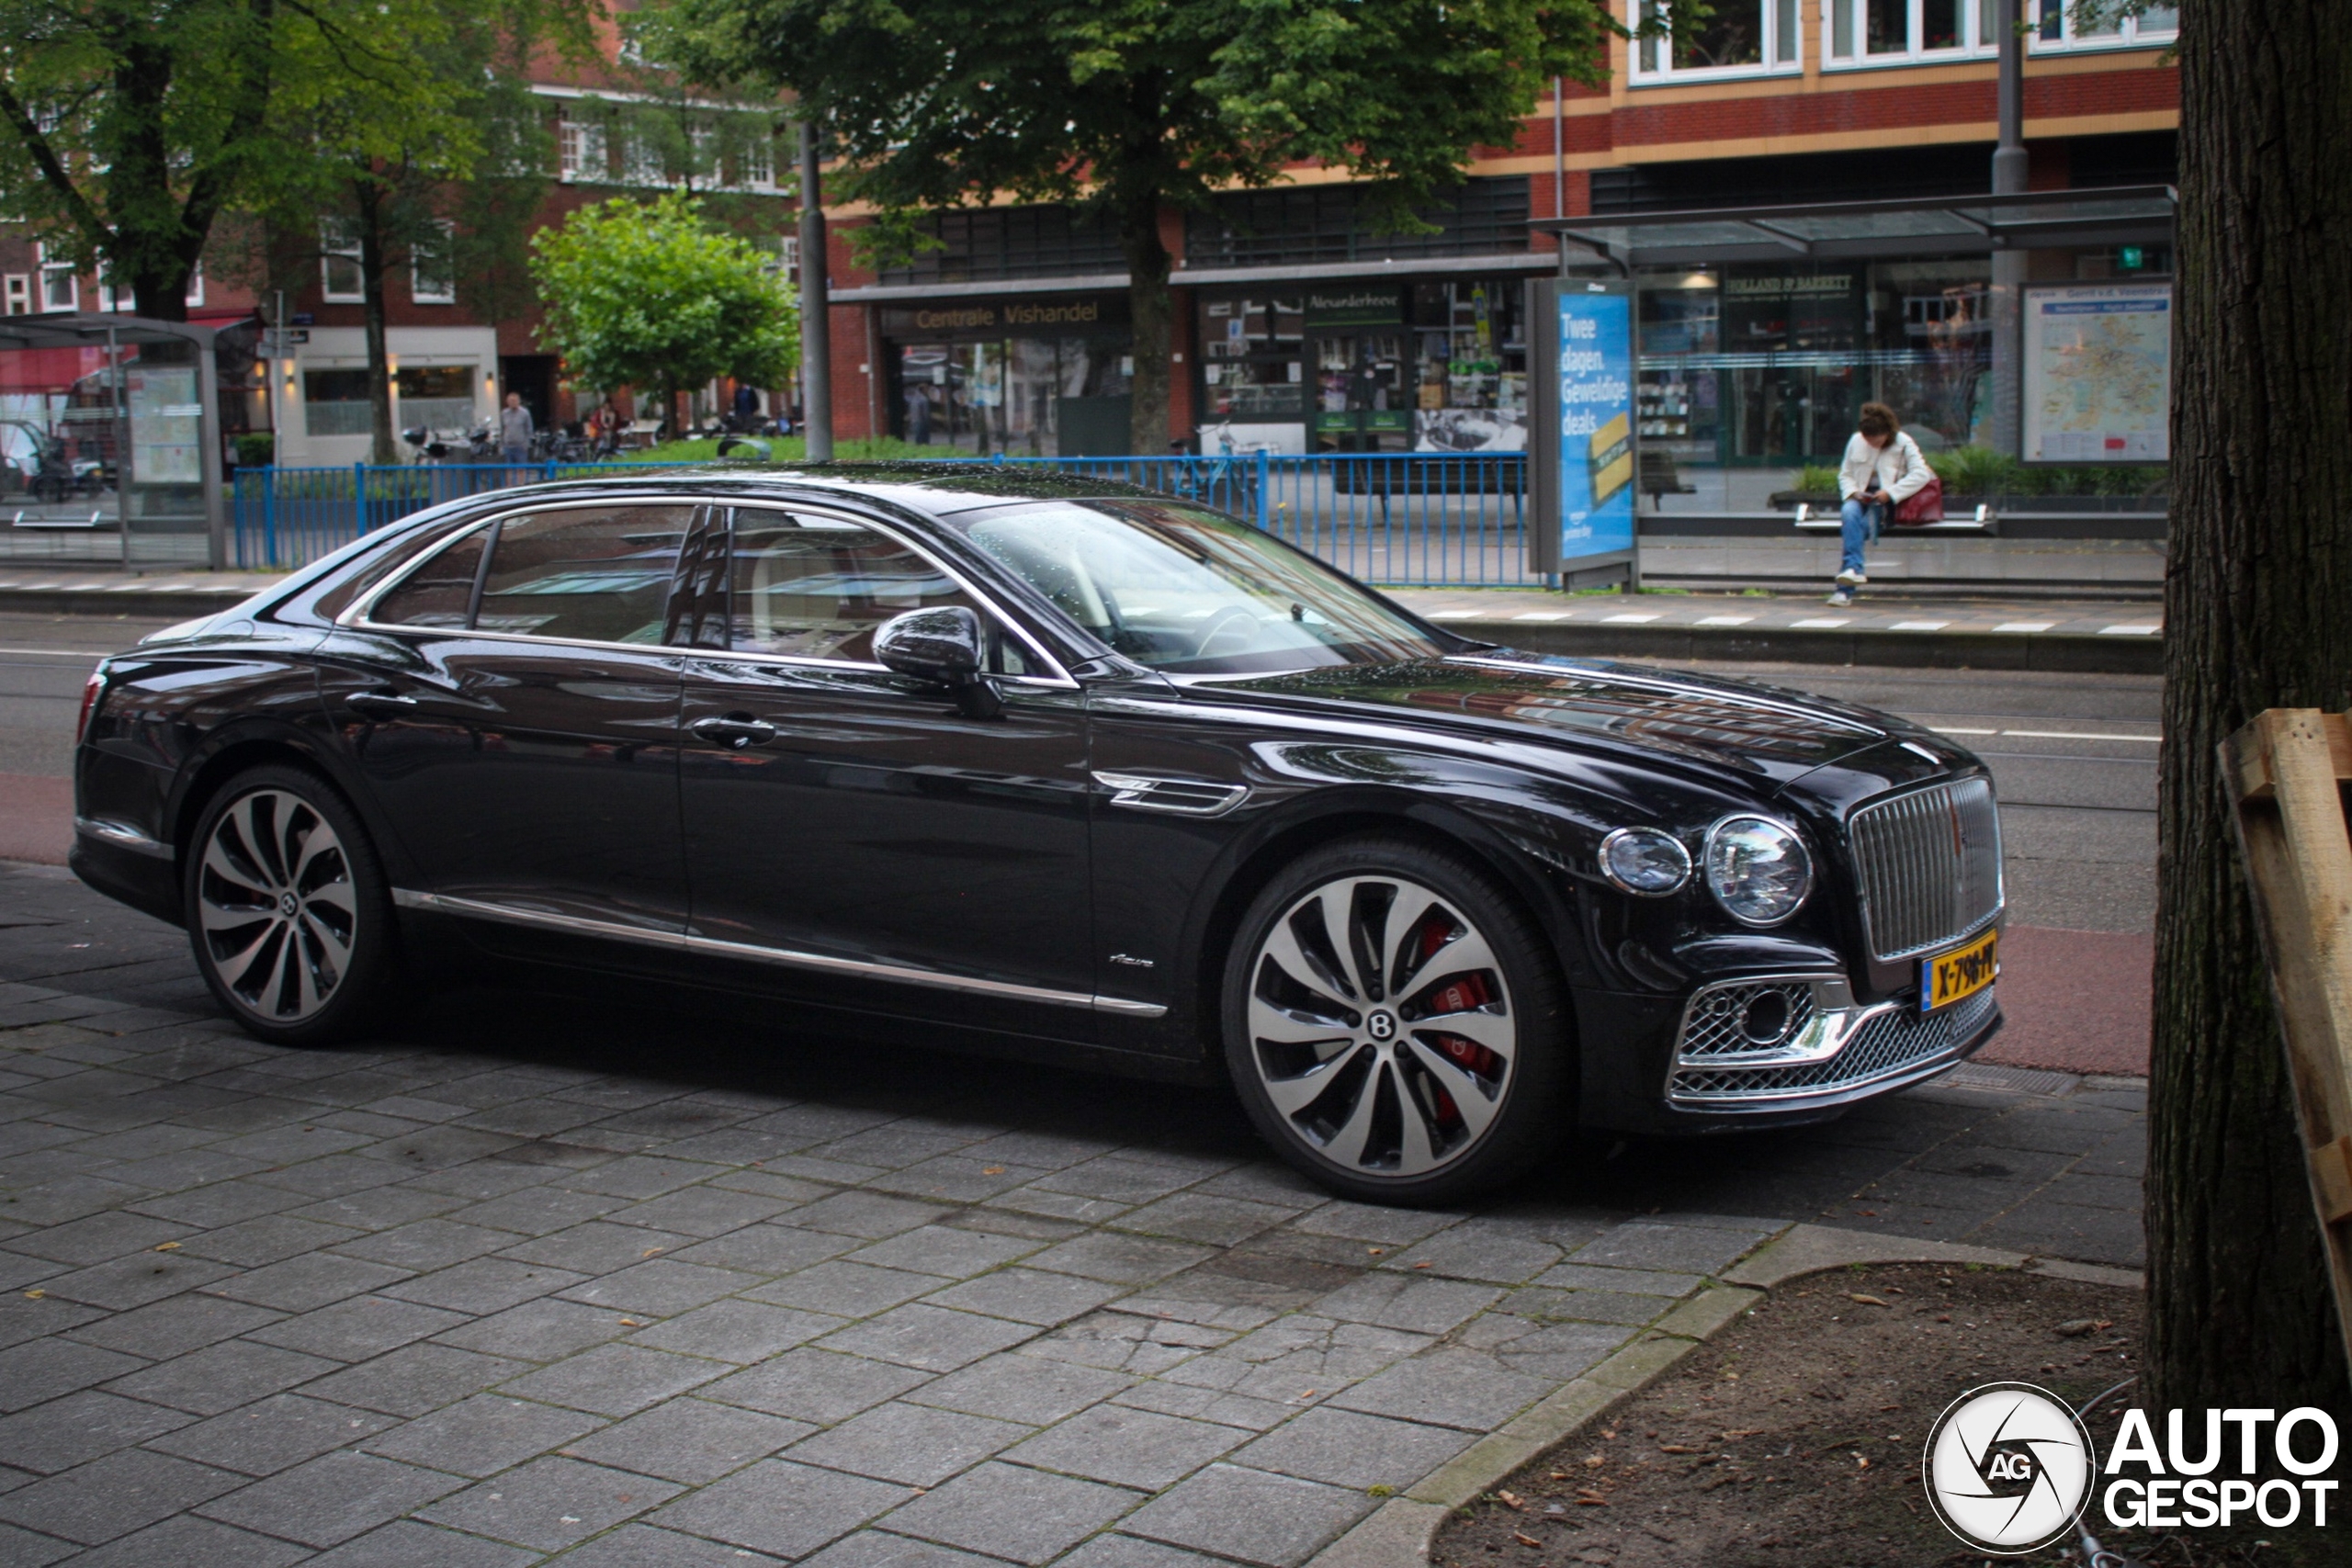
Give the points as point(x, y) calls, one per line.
point(1042, 376)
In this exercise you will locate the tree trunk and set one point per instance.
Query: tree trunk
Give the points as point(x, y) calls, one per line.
point(2255, 617)
point(372, 265)
point(1150, 306)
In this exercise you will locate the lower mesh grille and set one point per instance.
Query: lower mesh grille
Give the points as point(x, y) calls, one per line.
point(1891, 1042)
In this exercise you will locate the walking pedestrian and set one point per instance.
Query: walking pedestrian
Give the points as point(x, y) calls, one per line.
point(515, 430)
point(1882, 468)
point(918, 415)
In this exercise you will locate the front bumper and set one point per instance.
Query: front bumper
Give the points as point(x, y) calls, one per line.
point(1831, 1054)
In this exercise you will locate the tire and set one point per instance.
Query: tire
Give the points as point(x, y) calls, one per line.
point(1455, 1080)
point(295, 936)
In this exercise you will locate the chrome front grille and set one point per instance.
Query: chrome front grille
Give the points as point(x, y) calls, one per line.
point(1889, 1043)
point(1930, 865)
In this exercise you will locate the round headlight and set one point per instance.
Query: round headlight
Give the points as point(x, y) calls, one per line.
point(1645, 861)
point(1758, 870)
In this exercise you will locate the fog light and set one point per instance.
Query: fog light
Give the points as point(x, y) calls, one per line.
point(1766, 1021)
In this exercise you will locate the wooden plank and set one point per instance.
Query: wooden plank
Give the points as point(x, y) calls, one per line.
point(2288, 765)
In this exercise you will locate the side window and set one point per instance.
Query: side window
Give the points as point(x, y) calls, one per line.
point(813, 586)
point(584, 574)
point(438, 593)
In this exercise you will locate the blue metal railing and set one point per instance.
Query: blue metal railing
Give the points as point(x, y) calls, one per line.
point(1419, 518)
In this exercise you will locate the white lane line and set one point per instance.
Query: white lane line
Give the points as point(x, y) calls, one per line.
point(1945, 729)
point(2130, 631)
point(1823, 621)
point(1920, 626)
point(1629, 620)
point(1724, 620)
point(56, 652)
point(2025, 626)
point(1541, 616)
point(2079, 735)
point(1453, 614)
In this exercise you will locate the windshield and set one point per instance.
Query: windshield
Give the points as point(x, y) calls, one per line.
point(1191, 592)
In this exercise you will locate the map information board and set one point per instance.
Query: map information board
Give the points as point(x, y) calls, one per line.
point(2097, 373)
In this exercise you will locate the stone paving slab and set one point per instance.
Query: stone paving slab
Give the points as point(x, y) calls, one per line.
point(556, 1279)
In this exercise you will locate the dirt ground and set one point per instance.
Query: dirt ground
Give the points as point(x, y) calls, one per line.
point(1793, 1438)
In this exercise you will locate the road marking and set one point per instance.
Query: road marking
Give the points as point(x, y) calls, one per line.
point(1824, 621)
point(1941, 729)
point(1628, 619)
point(2080, 735)
point(1920, 626)
point(1724, 620)
point(2130, 631)
point(56, 652)
point(2025, 626)
point(1453, 614)
point(1542, 616)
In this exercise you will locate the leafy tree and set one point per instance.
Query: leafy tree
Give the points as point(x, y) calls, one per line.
point(650, 294)
point(2254, 617)
point(1129, 106)
point(132, 126)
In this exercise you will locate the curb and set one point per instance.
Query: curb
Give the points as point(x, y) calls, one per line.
point(175, 600)
point(1400, 1533)
point(2074, 654)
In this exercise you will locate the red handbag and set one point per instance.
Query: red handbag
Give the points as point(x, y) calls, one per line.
point(1924, 505)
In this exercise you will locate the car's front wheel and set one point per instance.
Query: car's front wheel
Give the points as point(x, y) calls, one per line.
point(1395, 1024)
point(288, 910)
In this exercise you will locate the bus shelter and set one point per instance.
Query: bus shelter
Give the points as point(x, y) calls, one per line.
point(111, 442)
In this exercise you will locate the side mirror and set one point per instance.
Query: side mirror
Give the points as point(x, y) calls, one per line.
point(942, 646)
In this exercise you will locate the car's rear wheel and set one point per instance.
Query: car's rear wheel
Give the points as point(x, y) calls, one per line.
point(288, 910)
point(1395, 1024)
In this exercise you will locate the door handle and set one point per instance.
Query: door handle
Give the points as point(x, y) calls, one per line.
point(387, 703)
point(734, 730)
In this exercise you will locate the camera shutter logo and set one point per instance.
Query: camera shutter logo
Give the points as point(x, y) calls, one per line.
point(2009, 1468)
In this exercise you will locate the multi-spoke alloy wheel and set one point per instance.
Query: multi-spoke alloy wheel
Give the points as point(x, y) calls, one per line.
point(283, 905)
point(1383, 1032)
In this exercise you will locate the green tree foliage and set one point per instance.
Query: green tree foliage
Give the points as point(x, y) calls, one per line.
point(1130, 106)
point(649, 294)
point(133, 126)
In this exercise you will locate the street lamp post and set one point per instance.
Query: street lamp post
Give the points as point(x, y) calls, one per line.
point(816, 328)
point(2008, 266)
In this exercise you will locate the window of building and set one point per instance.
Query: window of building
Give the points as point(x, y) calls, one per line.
point(439, 397)
point(60, 286)
point(1725, 38)
point(2061, 28)
point(432, 269)
point(1012, 241)
point(123, 299)
point(1297, 224)
point(341, 280)
point(334, 402)
point(642, 162)
point(20, 293)
point(581, 157)
point(1252, 357)
point(1895, 32)
point(756, 164)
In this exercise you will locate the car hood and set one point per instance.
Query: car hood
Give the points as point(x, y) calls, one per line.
point(1767, 736)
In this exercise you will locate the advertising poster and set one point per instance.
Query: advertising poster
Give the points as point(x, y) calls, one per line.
point(2097, 373)
point(1595, 379)
point(167, 426)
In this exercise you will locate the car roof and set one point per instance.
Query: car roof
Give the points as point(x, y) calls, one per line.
point(938, 487)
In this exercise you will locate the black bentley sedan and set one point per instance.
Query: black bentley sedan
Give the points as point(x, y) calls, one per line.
point(1027, 763)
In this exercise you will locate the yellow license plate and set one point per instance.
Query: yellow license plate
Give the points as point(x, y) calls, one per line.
point(1946, 977)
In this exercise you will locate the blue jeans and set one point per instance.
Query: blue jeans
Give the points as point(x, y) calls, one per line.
point(1862, 521)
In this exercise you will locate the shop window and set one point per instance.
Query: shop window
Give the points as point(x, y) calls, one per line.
point(1725, 37)
point(1251, 364)
point(1470, 392)
point(341, 280)
point(432, 266)
point(1895, 32)
point(1297, 224)
point(60, 285)
point(2065, 24)
point(334, 402)
point(439, 397)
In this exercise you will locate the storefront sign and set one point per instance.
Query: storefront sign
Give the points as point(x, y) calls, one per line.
point(1008, 318)
point(1351, 307)
point(1790, 286)
point(1595, 380)
point(2097, 373)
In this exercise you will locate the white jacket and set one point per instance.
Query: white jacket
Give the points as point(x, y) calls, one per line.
point(1902, 468)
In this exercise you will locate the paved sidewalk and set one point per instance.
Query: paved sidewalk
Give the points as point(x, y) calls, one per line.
point(546, 1276)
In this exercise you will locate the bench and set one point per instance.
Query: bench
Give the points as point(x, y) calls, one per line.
point(1829, 520)
point(1659, 478)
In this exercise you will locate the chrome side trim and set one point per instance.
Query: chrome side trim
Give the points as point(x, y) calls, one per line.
point(122, 835)
point(1181, 797)
point(905, 974)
